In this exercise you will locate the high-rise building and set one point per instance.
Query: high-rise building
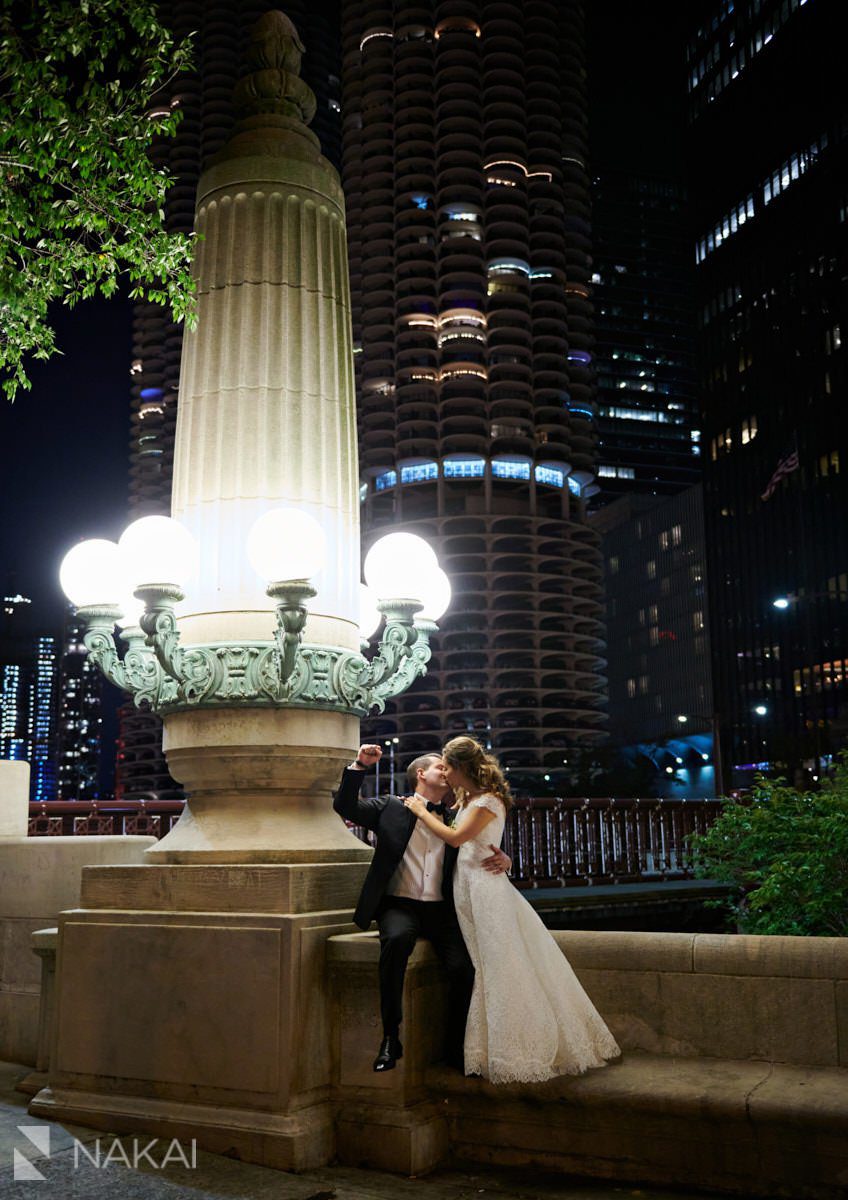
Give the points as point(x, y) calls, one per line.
point(643, 276)
point(660, 689)
point(221, 29)
point(79, 718)
point(770, 199)
point(464, 167)
point(27, 696)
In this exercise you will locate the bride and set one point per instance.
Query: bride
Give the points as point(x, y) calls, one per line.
point(529, 1017)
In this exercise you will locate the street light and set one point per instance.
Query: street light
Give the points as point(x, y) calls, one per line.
point(153, 562)
point(780, 602)
point(761, 710)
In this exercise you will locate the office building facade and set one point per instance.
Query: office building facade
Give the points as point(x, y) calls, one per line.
point(660, 686)
point(768, 184)
point(642, 276)
point(464, 167)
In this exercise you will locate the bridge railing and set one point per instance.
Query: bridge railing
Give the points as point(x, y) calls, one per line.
point(573, 842)
point(64, 818)
point(553, 842)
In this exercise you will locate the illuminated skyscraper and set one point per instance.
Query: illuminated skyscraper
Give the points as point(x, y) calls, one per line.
point(78, 717)
point(768, 186)
point(464, 167)
point(643, 277)
point(27, 695)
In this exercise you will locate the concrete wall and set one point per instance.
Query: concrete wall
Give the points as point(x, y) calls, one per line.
point(39, 877)
point(769, 999)
point(733, 1076)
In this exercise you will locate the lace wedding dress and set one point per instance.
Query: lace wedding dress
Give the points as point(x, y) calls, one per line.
point(529, 1017)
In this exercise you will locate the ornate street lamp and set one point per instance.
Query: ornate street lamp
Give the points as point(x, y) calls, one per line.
point(286, 548)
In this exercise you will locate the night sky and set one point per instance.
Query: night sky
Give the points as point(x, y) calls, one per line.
point(63, 454)
point(64, 444)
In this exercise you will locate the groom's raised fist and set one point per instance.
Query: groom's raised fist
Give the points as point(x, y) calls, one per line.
point(369, 755)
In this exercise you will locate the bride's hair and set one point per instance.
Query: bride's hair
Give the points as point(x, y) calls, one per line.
point(482, 769)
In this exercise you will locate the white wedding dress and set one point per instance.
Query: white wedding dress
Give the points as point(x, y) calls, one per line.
point(529, 1018)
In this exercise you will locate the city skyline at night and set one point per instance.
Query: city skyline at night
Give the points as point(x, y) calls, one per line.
point(700, 87)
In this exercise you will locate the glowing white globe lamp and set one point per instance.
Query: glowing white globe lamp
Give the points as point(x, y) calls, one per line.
point(92, 574)
point(434, 592)
point(369, 614)
point(396, 565)
point(158, 550)
point(131, 610)
point(285, 543)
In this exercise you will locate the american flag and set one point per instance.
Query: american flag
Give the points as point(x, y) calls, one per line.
point(786, 464)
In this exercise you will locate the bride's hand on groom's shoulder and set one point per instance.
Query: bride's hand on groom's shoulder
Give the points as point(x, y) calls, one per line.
point(415, 804)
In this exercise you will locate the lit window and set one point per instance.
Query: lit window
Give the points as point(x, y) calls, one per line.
point(419, 473)
point(466, 468)
point(511, 470)
point(386, 480)
point(550, 476)
point(508, 266)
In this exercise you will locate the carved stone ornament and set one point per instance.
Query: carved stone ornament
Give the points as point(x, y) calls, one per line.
point(166, 677)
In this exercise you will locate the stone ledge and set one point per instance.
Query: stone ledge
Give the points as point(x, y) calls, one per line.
point(707, 953)
point(224, 887)
point(693, 1087)
point(748, 1127)
point(788, 957)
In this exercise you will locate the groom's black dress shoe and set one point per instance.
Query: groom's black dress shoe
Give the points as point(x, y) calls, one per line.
point(390, 1051)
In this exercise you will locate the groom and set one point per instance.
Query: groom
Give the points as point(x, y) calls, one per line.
point(409, 890)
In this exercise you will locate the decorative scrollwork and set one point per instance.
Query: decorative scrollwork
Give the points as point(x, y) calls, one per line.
point(167, 677)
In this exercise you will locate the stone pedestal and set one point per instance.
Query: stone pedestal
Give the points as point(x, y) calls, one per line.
point(259, 782)
point(14, 798)
point(191, 1003)
point(390, 1121)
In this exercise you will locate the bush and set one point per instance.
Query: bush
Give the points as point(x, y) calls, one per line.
point(785, 854)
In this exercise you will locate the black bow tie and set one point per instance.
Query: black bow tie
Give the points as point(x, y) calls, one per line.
point(441, 809)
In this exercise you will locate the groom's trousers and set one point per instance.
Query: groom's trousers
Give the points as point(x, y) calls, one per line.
point(401, 923)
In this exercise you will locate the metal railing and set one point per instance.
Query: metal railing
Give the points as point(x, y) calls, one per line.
point(553, 842)
point(64, 818)
point(572, 842)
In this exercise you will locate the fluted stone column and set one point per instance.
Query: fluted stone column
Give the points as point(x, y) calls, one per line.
point(223, 934)
point(266, 418)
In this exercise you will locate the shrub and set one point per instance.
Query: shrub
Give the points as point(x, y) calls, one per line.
point(785, 854)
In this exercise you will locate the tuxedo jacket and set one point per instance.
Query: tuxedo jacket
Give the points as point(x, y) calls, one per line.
point(393, 823)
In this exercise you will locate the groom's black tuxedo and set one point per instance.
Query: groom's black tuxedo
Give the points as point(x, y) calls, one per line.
point(401, 920)
point(393, 823)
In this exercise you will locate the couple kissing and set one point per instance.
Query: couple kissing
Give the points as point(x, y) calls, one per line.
point(517, 1012)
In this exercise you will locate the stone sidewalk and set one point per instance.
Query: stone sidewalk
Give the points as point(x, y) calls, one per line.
point(59, 1177)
